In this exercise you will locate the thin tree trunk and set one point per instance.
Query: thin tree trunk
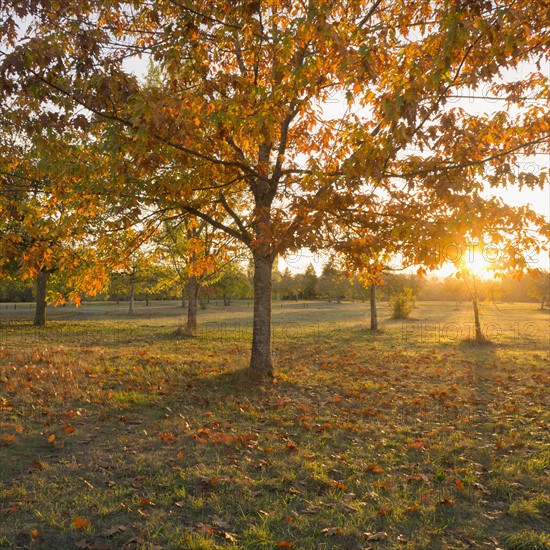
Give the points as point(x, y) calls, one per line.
point(132, 293)
point(477, 322)
point(183, 296)
point(41, 287)
point(261, 365)
point(193, 304)
point(542, 305)
point(373, 310)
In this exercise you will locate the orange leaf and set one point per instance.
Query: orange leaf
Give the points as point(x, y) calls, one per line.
point(459, 484)
point(81, 523)
point(9, 437)
point(168, 438)
point(36, 534)
point(285, 544)
point(68, 429)
point(51, 439)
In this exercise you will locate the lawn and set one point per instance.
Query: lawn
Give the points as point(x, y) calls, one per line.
point(115, 433)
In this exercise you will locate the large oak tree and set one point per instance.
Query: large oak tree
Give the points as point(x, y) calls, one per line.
point(234, 128)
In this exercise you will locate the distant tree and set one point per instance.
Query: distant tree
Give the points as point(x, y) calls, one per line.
point(539, 287)
point(455, 290)
point(233, 283)
point(286, 285)
point(332, 283)
point(402, 303)
point(309, 283)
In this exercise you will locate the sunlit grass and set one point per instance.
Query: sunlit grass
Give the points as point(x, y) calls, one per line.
point(431, 441)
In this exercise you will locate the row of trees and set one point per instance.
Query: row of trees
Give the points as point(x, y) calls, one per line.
point(155, 281)
point(229, 128)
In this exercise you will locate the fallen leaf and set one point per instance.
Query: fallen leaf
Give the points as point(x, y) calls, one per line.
point(81, 523)
point(168, 438)
point(8, 510)
point(285, 544)
point(9, 437)
point(230, 536)
point(51, 438)
point(218, 522)
point(204, 528)
point(68, 429)
point(332, 531)
point(403, 538)
point(36, 534)
point(113, 530)
point(493, 515)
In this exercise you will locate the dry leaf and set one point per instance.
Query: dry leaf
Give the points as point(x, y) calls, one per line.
point(51, 438)
point(332, 531)
point(218, 522)
point(230, 536)
point(113, 530)
point(81, 523)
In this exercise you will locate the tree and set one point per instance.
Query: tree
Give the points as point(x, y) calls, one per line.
point(42, 233)
point(309, 283)
point(240, 101)
point(539, 287)
point(332, 283)
point(197, 255)
point(232, 283)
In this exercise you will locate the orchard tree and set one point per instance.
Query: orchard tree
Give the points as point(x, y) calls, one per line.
point(539, 287)
point(236, 130)
point(198, 256)
point(41, 233)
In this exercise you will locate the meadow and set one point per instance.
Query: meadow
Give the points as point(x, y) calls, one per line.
point(117, 433)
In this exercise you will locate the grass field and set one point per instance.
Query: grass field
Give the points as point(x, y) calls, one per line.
point(115, 433)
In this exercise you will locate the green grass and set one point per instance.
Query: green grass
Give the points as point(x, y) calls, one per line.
point(413, 431)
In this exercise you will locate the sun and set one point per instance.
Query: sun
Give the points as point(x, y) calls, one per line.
point(478, 265)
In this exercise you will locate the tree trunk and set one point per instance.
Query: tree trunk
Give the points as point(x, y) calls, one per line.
point(542, 305)
point(41, 286)
point(261, 365)
point(477, 322)
point(373, 310)
point(132, 293)
point(183, 296)
point(193, 303)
